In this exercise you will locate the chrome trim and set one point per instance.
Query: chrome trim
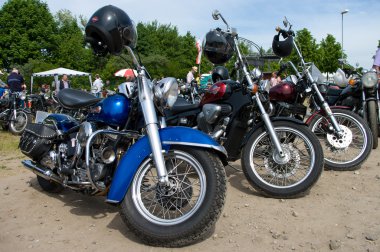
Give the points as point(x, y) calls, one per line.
point(42, 172)
point(130, 134)
point(112, 201)
point(217, 148)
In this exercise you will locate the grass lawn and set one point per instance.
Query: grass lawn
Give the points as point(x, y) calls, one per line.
point(8, 143)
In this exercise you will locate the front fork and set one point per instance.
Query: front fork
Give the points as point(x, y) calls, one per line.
point(326, 108)
point(146, 101)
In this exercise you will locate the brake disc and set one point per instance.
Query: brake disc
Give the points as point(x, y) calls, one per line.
point(340, 142)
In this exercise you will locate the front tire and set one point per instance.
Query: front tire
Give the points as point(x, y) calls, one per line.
point(352, 151)
point(373, 122)
point(183, 212)
point(288, 177)
point(18, 124)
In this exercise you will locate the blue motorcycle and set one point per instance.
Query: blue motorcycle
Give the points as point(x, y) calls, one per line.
point(169, 182)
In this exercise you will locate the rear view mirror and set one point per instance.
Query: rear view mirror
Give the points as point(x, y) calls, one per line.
point(215, 14)
point(286, 22)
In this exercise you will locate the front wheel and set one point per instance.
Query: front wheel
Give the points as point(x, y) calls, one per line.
point(287, 176)
point(182, 212)
point(373, 122)
point(349, 151)
point(18, 124)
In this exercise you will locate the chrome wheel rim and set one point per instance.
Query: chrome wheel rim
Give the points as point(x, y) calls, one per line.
point(277, 175)
point(20, 121)
point(177, 202)
point(348, 154)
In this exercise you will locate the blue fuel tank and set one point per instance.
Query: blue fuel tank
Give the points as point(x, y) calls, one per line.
point(114, 111)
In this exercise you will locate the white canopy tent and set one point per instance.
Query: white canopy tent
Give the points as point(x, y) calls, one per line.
point(59, 71)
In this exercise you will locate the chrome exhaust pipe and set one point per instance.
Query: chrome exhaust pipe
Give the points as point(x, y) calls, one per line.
point(40, 171)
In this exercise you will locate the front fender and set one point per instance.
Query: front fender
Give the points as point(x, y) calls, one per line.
point(139, 151)
point(322, 112)
point(272, 119)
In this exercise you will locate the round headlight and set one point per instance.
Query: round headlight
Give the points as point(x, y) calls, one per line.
point(166, 90)
point(369, 79)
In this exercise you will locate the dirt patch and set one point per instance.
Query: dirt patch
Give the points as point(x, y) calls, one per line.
point(341, 213)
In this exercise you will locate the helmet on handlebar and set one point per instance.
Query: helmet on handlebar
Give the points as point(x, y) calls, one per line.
point(109, 29)
point(282, 48)
point(219, 73)
point(218, 47)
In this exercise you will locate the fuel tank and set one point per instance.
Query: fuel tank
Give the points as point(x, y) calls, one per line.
point(283, 92)
point(214, 93)
point(113, 110)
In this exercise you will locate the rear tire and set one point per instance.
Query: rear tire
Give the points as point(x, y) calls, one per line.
point(169, 216)
point(373, 122)
point(49, 186)
point(18, 124)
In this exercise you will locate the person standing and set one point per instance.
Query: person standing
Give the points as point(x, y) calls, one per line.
point(15, 81)
point(376, 62)
point(63, 83)
point(97, 86)
point(274, 80)
point(190, 75)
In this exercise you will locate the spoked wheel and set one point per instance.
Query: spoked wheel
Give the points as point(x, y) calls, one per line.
point(18, 124)
point(183, 211)
point(290, 175)
point(350, 150)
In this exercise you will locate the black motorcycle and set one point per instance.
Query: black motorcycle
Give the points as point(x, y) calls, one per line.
point(361, 95)
point(280, 157)
point(14, 116)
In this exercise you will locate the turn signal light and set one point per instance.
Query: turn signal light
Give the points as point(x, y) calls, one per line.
point(352, 82)
point(255, 88)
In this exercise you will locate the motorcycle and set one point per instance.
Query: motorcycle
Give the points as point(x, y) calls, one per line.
point(360, 94)
point(345, 137)
point(280, 156)
point(189, 92)
point(13, 116)
point(169, 182)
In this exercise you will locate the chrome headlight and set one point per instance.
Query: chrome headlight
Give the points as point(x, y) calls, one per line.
point(127, 88)
point(166, 90)
point(369, 79)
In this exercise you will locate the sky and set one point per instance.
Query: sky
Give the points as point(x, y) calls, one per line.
point(255, 19)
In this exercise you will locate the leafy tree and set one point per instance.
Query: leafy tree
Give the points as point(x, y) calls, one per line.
point(307, 45)
point(71, 51)
point(329, 53)
point(163, 51)
point(26, 31)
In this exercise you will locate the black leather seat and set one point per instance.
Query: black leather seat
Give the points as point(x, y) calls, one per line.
point(181, 105)
point(75, 99)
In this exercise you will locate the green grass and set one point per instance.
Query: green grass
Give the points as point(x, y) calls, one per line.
point(9, 143)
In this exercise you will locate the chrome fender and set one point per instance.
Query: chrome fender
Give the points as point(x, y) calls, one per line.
point(139, 151)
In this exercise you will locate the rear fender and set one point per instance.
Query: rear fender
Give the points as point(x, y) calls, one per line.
point(272, 119)
point(139, 151)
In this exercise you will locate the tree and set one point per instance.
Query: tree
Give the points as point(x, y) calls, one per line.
point(307, 45)
point(163, 51)
point(70, 46)
point(329, 53)
point(26, 32)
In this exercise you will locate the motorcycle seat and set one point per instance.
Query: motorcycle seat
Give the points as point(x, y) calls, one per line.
point(76, 99)
point(181, 105)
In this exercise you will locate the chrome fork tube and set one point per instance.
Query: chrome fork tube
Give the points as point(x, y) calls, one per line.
point(146, 101)
point(150, 117)
point(325, 106)
point(264, 114)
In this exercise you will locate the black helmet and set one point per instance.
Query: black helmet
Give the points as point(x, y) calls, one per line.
point(109, 29)
point(282, 48)
point(220, 73)
point(217, 47)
